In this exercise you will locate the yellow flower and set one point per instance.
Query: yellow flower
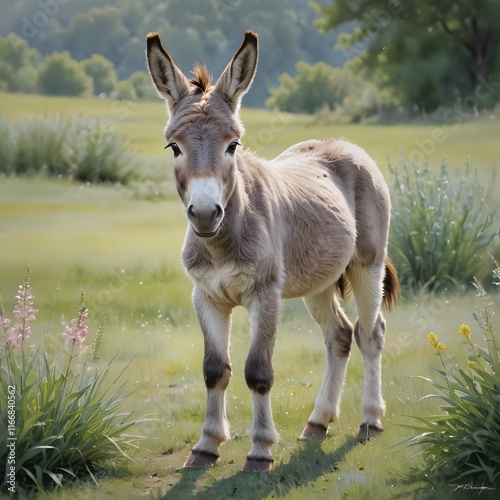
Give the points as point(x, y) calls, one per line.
point(465, 331)
point(433, 338)
point(439, 346)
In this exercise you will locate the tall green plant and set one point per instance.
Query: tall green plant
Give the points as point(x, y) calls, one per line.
point(462, 441)
point(438, 223)
point(55, 145)
point(6, 152)
point(61, 418)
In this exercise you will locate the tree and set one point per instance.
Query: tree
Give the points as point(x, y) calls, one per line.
point(143, 88)
point(97, 31)
point(17, 62)
point(431, 53)
point(321, 87)
point(102, 72)
point(312, 88)
point(60, 74)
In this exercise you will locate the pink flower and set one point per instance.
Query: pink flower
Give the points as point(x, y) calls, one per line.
point(15, 341)
point(76, 331)
point(4, 323)
point(24, 312)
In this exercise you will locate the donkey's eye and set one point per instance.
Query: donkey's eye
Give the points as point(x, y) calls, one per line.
point(175, 149)
point(232, 147)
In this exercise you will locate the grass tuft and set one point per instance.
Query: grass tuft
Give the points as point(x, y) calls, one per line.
point(462, 442)
point(440, 226)
point(83, 149)
point(61, 418)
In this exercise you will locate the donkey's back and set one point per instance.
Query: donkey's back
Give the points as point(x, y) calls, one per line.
point(336, 206)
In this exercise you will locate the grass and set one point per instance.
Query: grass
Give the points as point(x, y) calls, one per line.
point(269, 133)
point(124, 252)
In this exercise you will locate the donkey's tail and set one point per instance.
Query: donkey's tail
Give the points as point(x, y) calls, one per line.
point(390, 286)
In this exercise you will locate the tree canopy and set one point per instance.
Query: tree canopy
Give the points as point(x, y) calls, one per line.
point(320, 87)
point(430, 53)
point(193, 31)
point(62, 75)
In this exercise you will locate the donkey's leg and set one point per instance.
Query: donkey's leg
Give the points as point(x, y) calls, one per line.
point(259, 376)
point(369, 332)
point(337, 334)
point(215, 322)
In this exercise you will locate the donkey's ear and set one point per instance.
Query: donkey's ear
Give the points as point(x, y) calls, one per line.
point(238, 75)
point(167, 77)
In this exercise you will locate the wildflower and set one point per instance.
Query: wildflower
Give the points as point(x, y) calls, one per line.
point(23, 311)
point(433, 339)
point(465, 331)
point(76, 331)
point(439, 346)
point(4, 323)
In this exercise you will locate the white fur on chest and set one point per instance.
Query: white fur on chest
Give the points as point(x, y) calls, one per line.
point(227, 283)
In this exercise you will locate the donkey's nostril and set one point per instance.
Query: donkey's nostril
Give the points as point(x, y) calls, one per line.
point(190, 212)
point(218, 212)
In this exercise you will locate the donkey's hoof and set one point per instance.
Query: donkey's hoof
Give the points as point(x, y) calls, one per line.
point(258, 464)
point(368, 431)
point(198, 458)
point(313, 429)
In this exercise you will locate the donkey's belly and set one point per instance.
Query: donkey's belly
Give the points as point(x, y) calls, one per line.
point(320, 242)
point(312, 274)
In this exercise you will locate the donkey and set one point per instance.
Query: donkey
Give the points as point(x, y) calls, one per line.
point(311, 223)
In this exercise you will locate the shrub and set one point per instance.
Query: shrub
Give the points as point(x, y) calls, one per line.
point(97, 155)
point(82, 149)
point(17, 65)
point(437, 226)
point(60, 74)
point(462, 442)
point(103, 74)
point(6, 150)
point(40, 145)
point(141, 81)
point(58, 420)
point(317, 87)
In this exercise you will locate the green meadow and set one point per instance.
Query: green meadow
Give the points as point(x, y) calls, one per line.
point(270, 133)
point(123, 250)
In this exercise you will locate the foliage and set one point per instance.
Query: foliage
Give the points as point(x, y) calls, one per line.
point(438, 225)
point(17, 62)
point(59, 422)
point(60, 74)
point(317, 87)
point(462, 442)
point(83, 149)
point(193, 31)
point(429, 55)
point(141, 81)
point(6, 151)
point(102, 72)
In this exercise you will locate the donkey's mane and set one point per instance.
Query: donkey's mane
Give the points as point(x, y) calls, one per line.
point(202, 78)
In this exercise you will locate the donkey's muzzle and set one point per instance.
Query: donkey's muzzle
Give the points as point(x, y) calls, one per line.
point(205, 221)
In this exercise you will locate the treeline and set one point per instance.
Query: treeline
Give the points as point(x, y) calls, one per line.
point(193, 31)
point(24, 69)
point(341, 60)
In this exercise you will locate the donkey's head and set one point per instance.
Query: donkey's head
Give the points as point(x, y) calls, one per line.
point(204, 129)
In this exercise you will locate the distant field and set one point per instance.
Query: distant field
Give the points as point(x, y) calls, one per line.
point(270, 133)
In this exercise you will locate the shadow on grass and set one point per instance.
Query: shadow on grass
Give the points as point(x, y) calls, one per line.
point(305, 466)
